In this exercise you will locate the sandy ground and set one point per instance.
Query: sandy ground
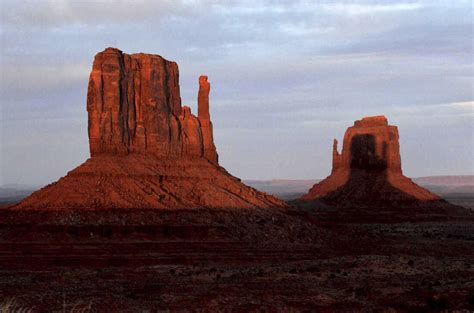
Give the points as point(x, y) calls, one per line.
point(319, 263)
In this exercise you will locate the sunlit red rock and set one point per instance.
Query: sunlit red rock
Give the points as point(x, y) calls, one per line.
point(368, 169)
point(134, 105)
point(147, 151)
point(209, 149)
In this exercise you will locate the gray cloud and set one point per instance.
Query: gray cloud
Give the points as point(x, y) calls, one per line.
point(53, 14)
point(37, 77)
point(287, 77)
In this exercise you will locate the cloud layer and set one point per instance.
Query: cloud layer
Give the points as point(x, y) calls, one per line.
point(287, 77)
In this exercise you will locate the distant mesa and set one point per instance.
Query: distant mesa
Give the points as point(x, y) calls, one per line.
point(147, 150)
point(368, 171)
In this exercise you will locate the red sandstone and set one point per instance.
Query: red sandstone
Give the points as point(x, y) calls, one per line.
point(134, 105)
point(147, 151)
point(368, 170)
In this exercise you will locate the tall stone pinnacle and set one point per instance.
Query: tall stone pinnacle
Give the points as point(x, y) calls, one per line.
point(210, 152)
point(203, 98)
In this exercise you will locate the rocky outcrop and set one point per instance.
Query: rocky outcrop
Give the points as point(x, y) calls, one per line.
point(209, 149)
point(370, 144)
point(133, 103)
point(141, 181)
point(368, 169)
point(134, 106)
point(147, 151)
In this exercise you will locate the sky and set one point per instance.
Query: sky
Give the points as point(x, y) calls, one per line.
point(287, 77)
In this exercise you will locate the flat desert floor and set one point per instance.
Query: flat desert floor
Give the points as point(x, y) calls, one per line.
point(284, 262)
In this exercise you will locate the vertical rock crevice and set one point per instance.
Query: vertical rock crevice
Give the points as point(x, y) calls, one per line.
point(134, 106)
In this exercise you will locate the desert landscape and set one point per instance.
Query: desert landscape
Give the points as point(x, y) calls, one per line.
point(456, 189)
point(243, 261)
point(266, 156)
point(151, 222)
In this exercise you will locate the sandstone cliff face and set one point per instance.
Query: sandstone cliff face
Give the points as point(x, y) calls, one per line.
point(134, 106)
point(147, 151)
point(368, 170)
point(370, 144)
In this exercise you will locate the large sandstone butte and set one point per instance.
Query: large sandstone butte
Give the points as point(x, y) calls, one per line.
point(147, 151)
point(368, 170)
point(134, 106)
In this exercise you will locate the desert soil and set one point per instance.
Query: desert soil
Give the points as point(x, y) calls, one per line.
point(284, 261)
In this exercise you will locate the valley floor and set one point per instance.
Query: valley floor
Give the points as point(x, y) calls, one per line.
point(325, 264)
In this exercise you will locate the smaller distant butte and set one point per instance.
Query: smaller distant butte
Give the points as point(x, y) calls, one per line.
point(368, 171)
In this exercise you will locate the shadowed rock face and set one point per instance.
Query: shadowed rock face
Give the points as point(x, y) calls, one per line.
point(147, 151)
point(371, 144)
point(368, 170)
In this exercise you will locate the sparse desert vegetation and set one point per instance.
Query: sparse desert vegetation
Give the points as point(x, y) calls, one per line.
point(320, 263)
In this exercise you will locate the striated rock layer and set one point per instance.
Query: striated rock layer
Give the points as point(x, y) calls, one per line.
point(147, 151)
point(140, 181)
point(368, 170)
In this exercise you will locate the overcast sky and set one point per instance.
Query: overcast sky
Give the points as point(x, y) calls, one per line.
point(287, 77)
